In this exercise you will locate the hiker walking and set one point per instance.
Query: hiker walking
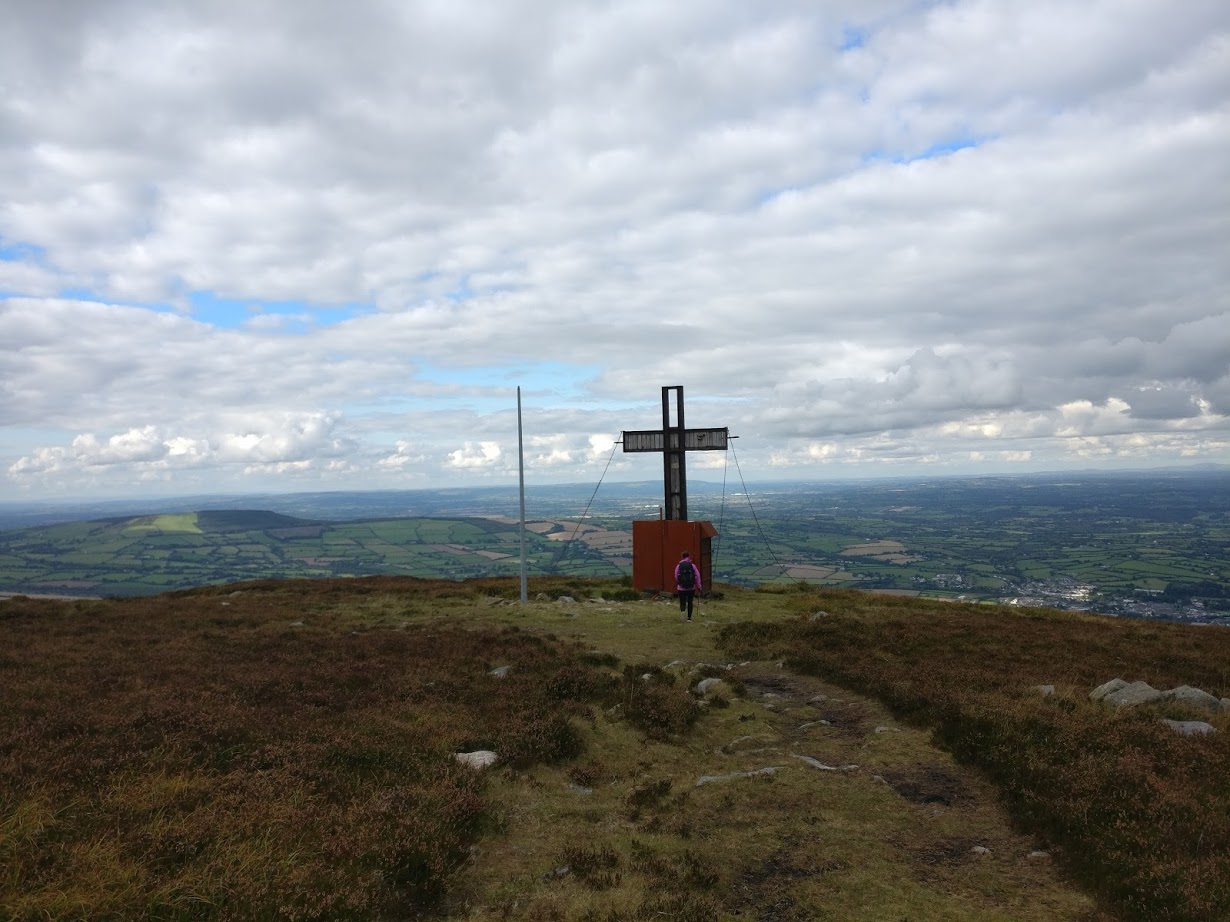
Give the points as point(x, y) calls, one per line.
point(687, 583)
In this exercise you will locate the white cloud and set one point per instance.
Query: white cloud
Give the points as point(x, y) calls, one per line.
point(975, 233)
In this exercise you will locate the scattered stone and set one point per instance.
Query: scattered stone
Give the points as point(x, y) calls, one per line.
point(1045, 690)
point(1038, 853)
point(981, 850)
point(480, 758)
point(888, 729)
point(704, 685)
point(236, 592)
point(816, 699)
point(673, 664)
point(1132, 695)
point(815, 723)
point(816, 763)
point(1106, 688)
point(500, 672)
point(1186, 694)
point(492, 600)
point(542, 597)
point(297, 624)
point(647, 677)
point(566, 599)
point(817, 615)
point(1190, 727)
point(706, 779)
point(578, 789)
point(556, 873)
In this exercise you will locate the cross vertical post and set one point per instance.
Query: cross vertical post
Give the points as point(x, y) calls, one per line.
point(674, 473)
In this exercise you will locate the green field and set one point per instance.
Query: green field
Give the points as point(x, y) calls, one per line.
point(1146, 546)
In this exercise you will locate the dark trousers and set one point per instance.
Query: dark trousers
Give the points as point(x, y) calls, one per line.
point(685, 601)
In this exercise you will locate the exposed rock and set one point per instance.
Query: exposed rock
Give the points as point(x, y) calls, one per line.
point(297, 624)
point(480, 758)
point(542, 597)
point(1186, 694)
point(566, 599)
point(815, 723)
point(556, 873)
point(816, 763)
point(579, 789)
point(1106, 688)
point(888, 729)
point(706, 779)
point(704, 685)
point(1045, 690)
point(1038, 853)
point(1190, 727)
point(981, 850)
point(500, 672)
point(817, 615)
point(1132, 695)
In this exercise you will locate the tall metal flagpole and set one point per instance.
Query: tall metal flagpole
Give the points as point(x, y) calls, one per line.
point(521, 474)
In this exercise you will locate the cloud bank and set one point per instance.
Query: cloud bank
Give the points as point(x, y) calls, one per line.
point(310, 246)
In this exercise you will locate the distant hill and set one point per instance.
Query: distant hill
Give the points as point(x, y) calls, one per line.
point(145, 555)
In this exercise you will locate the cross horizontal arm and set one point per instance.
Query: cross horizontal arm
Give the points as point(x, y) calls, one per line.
point(642, 440)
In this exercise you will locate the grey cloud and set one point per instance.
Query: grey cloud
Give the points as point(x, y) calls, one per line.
point(711, 194)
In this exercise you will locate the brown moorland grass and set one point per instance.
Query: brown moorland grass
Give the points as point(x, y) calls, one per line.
point(282, 750)
point(1141, 813)
point(251, 754)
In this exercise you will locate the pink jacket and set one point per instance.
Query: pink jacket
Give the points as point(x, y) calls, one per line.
point(695, 570)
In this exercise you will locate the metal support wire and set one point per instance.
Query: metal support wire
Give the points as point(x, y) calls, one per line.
point(553, 569)
point(781, 566)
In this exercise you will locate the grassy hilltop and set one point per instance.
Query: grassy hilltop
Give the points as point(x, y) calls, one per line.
point(285, 750)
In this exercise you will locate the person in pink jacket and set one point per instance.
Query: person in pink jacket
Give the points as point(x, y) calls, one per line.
point(687, 583)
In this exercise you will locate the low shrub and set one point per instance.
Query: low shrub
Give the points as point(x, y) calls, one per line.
point(1142, 813)
point(217, 756)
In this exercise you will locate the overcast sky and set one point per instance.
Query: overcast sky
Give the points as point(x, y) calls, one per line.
point(249, 245)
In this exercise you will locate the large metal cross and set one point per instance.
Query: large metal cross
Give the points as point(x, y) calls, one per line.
point(673, 441)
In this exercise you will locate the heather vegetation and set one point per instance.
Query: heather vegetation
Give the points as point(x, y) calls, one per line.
point(284, 750)
point(1142, 813)
point(253, 755)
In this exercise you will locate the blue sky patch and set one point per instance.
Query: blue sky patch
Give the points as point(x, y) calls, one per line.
point(852, 38)
point(21, 253)
point(935, 151)
point(235, 313)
